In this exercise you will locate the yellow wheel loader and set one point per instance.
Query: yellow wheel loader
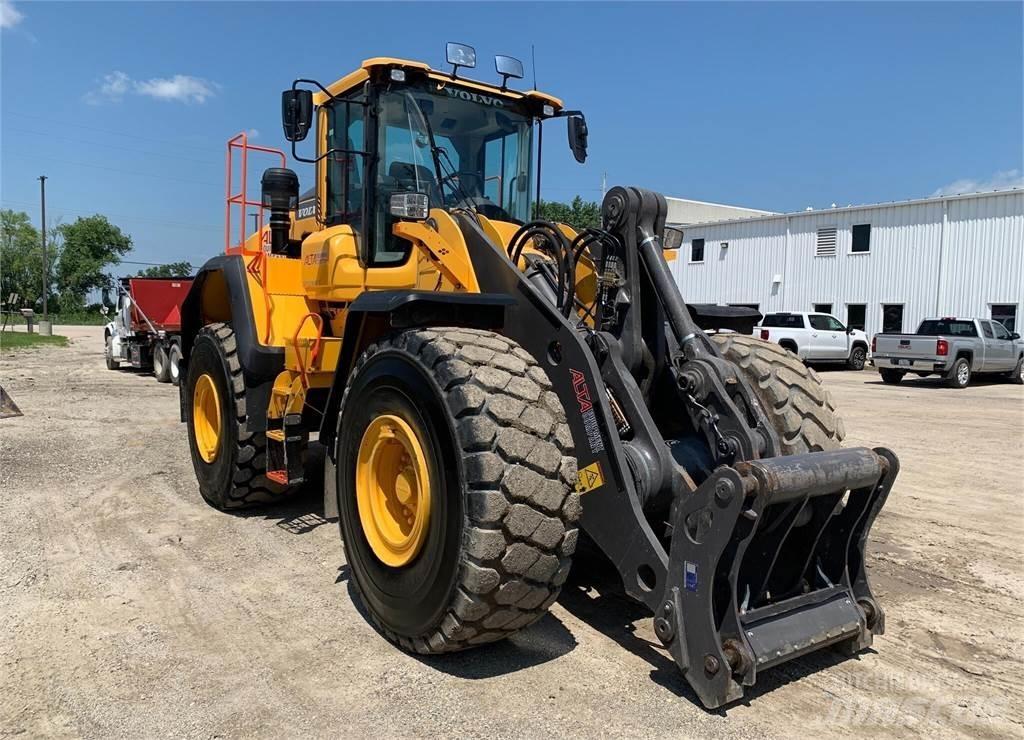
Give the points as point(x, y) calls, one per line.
point(490, 387)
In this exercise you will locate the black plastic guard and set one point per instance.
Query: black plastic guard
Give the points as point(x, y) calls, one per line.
point(767, 564)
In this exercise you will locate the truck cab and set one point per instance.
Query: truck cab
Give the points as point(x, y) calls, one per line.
point(815, 337)
point(955, 348)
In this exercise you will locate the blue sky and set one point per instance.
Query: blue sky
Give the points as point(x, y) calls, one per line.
point(126, 106)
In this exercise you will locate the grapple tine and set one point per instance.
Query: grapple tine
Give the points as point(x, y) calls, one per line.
point(768, 565)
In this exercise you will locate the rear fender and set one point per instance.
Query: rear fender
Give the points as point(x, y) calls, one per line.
point(220, 292)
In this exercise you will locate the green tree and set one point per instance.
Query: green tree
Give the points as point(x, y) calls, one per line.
point(21, 258)
point(90, 245)
point(170, 270)
point(580, 214)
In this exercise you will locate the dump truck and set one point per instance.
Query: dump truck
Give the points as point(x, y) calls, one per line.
point(145, 331)
point(491, 387)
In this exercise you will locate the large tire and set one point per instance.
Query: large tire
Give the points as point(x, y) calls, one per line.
point(161, 364)
point(112, 364)
point(960, 375)
point(891, 377)
point(857, 357)
point(174, 363)
point(503, 516)
point(235, 477)
point(800, 408)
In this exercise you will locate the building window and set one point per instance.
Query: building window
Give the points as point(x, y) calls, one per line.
point(892, 318)
point(1005, 314)
point(861, 243)
point(855, 313)
point(826, 246)
point(697, 250)
point(822, 308)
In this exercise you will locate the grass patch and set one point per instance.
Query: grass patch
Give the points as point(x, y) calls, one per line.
point(67, 319)
point(10, 340)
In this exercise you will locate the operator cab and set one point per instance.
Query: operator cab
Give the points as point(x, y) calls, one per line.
point(395, 139)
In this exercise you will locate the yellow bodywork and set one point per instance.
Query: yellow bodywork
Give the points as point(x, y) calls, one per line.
point(301, 304)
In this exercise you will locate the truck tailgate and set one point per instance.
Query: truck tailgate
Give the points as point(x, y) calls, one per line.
point(905, 345)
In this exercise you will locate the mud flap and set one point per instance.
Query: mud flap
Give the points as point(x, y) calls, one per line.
point(767, 564)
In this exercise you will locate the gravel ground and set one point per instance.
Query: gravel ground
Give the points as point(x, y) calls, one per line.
point(129, 608)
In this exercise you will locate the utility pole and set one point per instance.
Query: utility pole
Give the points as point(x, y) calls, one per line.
point(604, 184)
point(44, 325)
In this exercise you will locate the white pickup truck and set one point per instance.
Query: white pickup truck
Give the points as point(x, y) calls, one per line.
point(951, 347)
point(815, 337)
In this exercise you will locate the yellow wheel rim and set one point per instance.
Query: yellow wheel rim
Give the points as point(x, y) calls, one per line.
point(206, 422)
point(393, 490)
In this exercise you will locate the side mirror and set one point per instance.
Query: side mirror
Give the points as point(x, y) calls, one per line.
point(296, 113)
point(508, 67)
point(1015, 335)
point(577, 126)
point(414, 206)
point(673, 238)
point(104, 310)
point(460, 55)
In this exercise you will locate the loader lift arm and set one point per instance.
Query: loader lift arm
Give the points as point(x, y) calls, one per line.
point(748, 558)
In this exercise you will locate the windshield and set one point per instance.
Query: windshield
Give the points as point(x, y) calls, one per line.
point(949, 327)
point(461, 148)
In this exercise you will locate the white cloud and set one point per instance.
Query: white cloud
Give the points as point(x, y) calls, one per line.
point(179, 88)
point(253, 133)
point(1004, 180)
point(9, 15)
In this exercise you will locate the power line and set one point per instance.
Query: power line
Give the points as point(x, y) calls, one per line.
point(206, 162)
point(121, 216)
point(128, 172)
point(119, 134)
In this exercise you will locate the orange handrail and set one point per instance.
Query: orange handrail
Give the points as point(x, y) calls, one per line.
point(316, 345)
point(257, 266)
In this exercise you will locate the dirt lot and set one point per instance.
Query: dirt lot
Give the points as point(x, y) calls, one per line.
point(129, 608)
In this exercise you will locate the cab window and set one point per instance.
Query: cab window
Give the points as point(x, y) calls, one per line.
point(1000, 330)
point(826, 323)
point(345, 167)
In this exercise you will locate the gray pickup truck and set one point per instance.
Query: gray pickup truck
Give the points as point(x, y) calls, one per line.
point(951, 347)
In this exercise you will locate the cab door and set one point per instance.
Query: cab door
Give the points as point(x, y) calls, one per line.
point(829, 337)
point(1002, 356)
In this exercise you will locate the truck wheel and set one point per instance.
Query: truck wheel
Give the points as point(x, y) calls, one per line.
point(454, 465)
point(800, 408)
point(960, 375)
point(891, 377)
point(161, 367)
point(1017, 374)
point(857, 357)
point(230, 462)
point(174, 363)
point(112, 364)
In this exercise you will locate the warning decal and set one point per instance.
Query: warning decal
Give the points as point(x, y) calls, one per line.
point(589, 478)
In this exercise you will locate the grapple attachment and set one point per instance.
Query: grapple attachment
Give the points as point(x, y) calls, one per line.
point(767, 564)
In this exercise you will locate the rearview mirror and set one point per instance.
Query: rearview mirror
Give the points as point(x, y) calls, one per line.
point(296, 113)
point(460, 55)
point(578, 137)
point(508, 67)
point(673, 238)
point(415, 206)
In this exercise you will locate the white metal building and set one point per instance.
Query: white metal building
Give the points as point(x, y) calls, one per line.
point(686, 211)
point(880, 267)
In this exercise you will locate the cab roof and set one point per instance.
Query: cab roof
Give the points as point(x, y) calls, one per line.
point(362, 74)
